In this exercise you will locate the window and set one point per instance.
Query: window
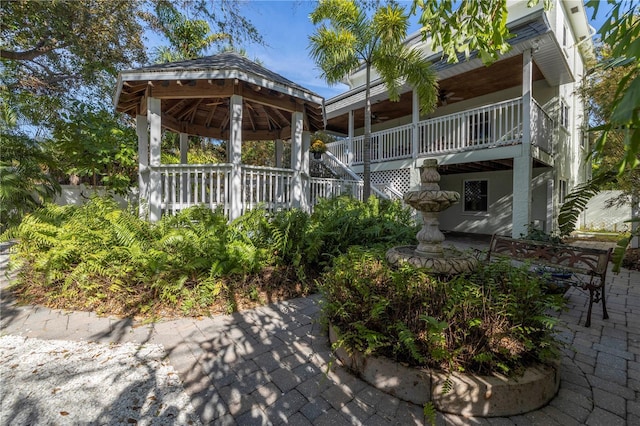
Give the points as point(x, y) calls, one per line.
point(476, 196)
point(564, 36)
point(564, 114)
point(562, 191)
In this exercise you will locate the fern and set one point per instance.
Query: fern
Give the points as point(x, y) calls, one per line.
point(429, 412)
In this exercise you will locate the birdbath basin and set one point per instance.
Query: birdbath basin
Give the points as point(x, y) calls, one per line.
point(429, 200)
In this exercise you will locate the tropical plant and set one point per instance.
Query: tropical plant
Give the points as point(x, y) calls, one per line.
point(25, 181)
point(347, 39)
point(466, 26)
point(188, 38)
point(57, 51)
point(495, 319)
point(617, 149)
point(341, 222)
point(98, 257)
point(95, 145)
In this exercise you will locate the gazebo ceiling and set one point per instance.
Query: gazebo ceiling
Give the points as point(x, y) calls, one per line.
point(195, 97)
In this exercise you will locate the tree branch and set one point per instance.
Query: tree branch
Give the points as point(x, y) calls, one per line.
point(29, 55)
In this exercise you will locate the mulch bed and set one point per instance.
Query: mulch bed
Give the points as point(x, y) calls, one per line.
point(632, 259)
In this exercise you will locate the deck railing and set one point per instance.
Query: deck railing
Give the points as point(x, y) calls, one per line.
point(266, 187)
point(209, 185)
point(489, 126)
point(186, 185)
point(485, 127)
point(498, 124)
point(542, 128)
point(328, 188)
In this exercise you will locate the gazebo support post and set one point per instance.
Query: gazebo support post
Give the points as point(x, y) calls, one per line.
point(296, 159)
point(305, 204)
point(155, 183)
point(279, 152)
point(234, 153)
point(142, 131)
point(184, 148)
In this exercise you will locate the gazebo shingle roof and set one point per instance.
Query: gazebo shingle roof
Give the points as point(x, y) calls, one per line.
point(195, 97)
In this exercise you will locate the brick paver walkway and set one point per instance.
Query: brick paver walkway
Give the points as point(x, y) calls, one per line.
point(273, 365)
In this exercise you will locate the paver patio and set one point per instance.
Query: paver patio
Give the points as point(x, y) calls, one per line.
point(273, 364)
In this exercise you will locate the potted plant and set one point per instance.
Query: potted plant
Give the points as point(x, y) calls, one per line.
point(318, 148)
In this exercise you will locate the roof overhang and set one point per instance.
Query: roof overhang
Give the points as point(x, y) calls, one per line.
point(531, 32)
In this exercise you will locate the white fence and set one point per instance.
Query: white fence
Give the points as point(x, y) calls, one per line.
point(266, 187)
point(598, 217)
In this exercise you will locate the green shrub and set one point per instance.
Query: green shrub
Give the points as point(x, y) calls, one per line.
point(99, 257)
point(491, 320)
point(341, 222)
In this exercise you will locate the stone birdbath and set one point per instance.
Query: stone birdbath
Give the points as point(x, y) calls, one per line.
point(430, 200)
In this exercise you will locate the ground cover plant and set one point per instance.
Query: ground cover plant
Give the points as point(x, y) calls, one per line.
point(101, 258)
point(494, 319)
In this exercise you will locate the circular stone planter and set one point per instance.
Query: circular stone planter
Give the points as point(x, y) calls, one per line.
point(469, 394)
point(451, 263)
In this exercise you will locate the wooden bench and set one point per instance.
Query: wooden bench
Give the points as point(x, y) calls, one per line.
point(575, 266)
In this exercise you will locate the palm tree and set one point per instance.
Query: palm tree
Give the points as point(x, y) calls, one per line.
point(348, 39)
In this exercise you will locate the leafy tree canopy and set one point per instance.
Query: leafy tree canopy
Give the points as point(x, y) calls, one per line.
point(621, 32)
point(53, 46)
point(54, 51)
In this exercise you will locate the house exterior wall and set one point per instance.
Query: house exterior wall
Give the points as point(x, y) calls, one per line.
point(568, 165)
point(497, 219)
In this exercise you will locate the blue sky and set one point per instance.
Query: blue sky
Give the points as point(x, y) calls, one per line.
point(285, 27)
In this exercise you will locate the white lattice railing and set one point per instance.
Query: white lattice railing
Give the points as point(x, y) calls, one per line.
point(186, 185)
point(209, 185)
point(266, 187)
point(488, 126)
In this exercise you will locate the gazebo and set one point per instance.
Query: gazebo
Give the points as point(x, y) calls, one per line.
point(225, 97)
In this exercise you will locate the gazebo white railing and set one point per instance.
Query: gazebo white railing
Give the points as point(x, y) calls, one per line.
point(267, 188)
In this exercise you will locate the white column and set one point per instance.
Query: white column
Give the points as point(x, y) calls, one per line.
point(142, 130)
point(296, 159)
point(415, 118)
point(304, 172)
point(234, 154)
point(414, 175)
point(184, 148)
point(155, 181)
point(551, 205)
point(279, 152)
point(522, 164)
point(350, 131)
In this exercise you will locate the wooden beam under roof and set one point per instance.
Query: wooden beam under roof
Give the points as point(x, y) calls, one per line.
point(201, 89)
point(174, 125)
